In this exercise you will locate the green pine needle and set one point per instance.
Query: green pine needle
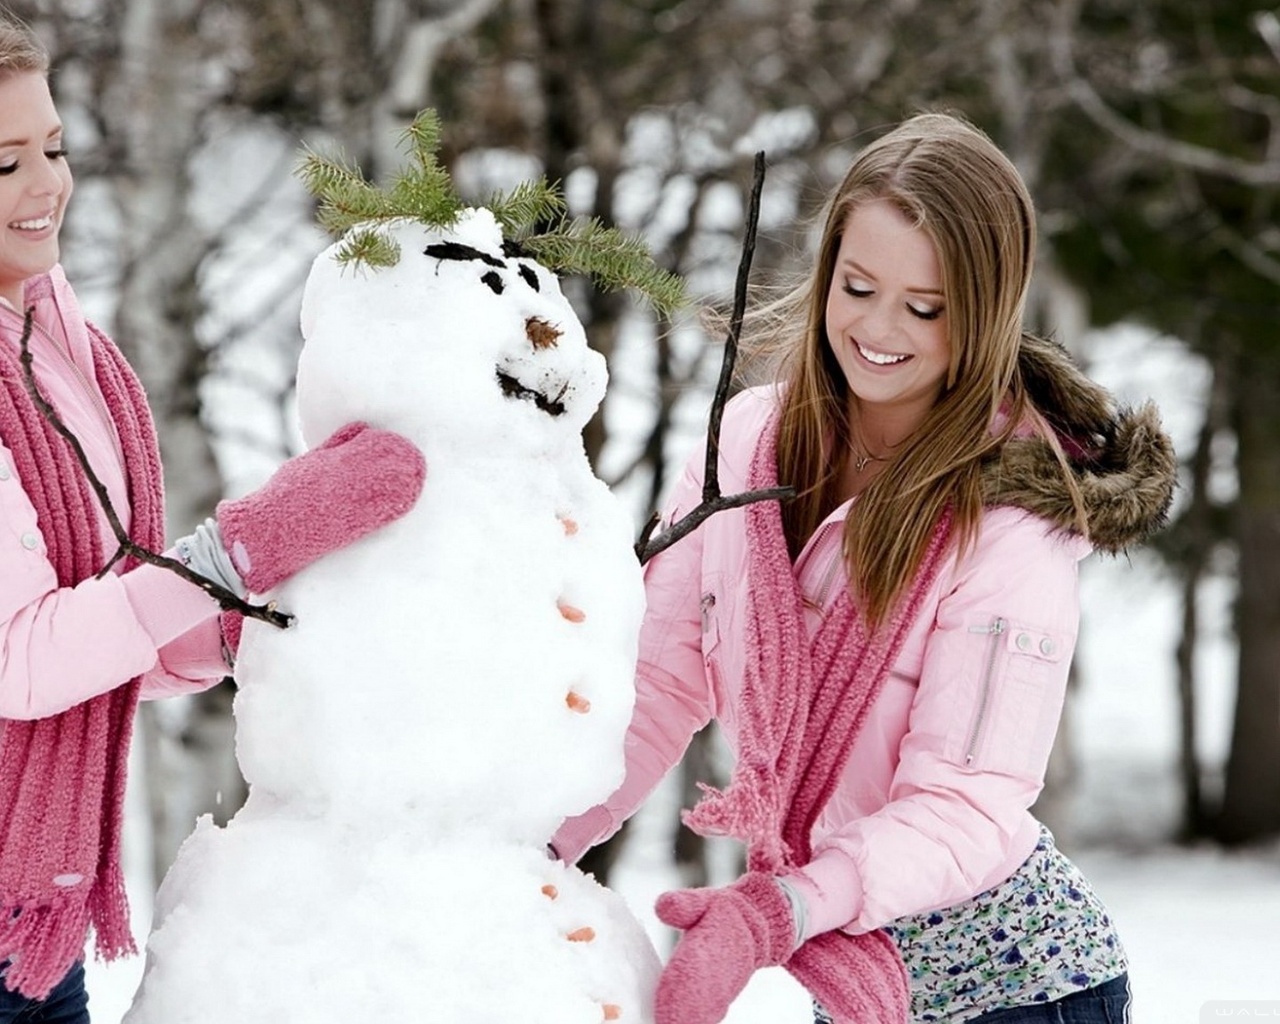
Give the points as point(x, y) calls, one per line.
point(370, 247)
point(530, 203)
point(422, 138)
point(610, 257)
point(425, 193)
point(346, 198)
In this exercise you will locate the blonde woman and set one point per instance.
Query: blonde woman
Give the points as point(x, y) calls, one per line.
point(83, 634)
point(887, 653)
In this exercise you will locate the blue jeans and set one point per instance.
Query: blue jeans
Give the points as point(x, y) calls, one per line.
point(68, 1003)
point(1107, 1003)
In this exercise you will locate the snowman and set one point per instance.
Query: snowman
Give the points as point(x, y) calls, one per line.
point(454, 686)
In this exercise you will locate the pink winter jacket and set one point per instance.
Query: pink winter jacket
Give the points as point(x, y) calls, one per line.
point(61, 646)
point(933, 805)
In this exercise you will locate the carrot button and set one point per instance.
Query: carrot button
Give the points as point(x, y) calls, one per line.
point(570, 612)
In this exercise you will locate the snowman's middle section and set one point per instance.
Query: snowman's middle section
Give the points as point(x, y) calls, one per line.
point(470, 648)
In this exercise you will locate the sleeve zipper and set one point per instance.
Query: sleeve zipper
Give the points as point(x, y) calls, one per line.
point(994, 632)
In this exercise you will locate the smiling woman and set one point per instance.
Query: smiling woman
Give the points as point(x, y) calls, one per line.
point(888, 653)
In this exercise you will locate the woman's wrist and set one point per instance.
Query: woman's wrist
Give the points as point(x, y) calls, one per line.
point(828, 891)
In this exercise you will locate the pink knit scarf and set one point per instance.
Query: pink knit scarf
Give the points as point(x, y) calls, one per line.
point(802, 707)
point(62, 778)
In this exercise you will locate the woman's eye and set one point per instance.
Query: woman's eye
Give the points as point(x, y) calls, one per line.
point(8, 168)
point(925, 314)
point(55, 154)
point(855, 291)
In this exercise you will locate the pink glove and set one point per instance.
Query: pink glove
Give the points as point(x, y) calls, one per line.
point(320, 501)
point(858, 979)
point(729, 933)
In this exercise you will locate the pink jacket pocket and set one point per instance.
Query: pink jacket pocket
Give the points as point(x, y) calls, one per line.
point(1011, 724)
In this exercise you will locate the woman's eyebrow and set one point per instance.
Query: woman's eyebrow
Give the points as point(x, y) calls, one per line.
point(18, 143)
point(855, 265)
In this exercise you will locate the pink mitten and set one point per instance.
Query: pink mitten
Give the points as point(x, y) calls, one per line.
point(231, 624)
point(729, 933)
point(858, 979)
point(359, 479)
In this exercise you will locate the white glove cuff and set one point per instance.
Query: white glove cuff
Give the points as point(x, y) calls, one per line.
point(204, 553)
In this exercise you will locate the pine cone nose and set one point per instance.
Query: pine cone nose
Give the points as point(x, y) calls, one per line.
point(540, 333)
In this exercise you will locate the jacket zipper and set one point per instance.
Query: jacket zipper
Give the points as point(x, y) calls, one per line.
point(825, 590)
point(994, 632)
point(819, 600)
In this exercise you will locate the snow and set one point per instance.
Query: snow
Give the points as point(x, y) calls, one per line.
point(1198, 923)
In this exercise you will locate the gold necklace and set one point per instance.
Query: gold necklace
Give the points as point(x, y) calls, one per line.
point(860, 462)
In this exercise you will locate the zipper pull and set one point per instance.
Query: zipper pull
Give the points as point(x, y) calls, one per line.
point(995, 629)
point(708, 602)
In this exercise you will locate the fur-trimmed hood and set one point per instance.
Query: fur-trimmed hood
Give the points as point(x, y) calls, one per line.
point(1124, 462)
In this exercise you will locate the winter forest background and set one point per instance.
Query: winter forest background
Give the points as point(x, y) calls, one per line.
point(1149, 132)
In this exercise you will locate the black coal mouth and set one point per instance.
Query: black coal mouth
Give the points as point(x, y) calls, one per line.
point(512, 388)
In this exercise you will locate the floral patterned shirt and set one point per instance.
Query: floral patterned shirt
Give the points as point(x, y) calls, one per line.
point(1038, 936)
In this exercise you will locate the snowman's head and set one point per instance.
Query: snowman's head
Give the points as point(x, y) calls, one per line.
point(463, 333)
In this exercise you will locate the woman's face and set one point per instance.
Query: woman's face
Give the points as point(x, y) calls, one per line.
point(886, 317)
point(35, 181)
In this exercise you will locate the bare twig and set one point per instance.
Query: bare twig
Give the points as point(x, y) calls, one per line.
point(712, 500)
point(226, 598)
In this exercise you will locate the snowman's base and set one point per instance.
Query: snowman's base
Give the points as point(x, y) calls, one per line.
point(335, 926)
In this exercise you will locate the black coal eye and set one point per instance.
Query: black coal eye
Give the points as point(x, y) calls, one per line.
point(494, 280)
point(531, 278)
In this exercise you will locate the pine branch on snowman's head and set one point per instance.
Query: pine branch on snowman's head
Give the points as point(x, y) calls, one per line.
point(533, 216)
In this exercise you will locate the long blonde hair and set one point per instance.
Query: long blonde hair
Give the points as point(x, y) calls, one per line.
point(952, 182)
point(20, 50)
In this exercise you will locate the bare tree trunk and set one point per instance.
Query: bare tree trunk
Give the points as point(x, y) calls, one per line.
point(1189, 771)
point(411, 58)
point(154, 108)
point(1251, 797)
point(1196, 551)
